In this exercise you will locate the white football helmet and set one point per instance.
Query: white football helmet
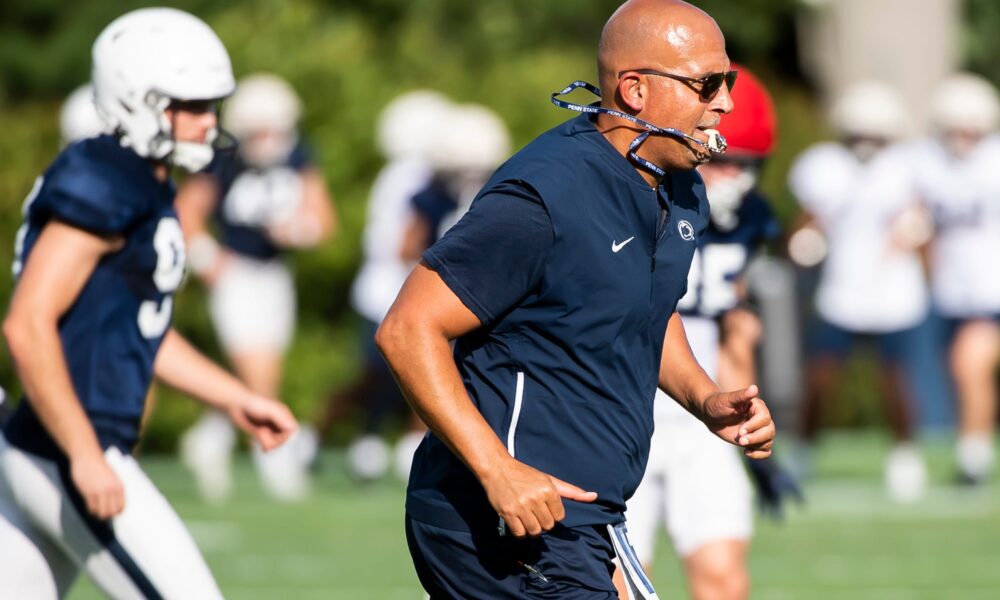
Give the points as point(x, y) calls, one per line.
point(142, 61)
point(263, 114)
point(411, 124)
point(870, 109)
point(965, 102)
point(262, 101)
point(473, 138)
point(78, 118)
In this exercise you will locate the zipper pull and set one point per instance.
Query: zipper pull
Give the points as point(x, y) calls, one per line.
point(652, 263)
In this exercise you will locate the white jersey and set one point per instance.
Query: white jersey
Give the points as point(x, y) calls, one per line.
point(868, 283)
point(964, 197)
point(383, 272)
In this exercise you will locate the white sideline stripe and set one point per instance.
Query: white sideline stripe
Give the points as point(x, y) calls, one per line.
point(518, 399)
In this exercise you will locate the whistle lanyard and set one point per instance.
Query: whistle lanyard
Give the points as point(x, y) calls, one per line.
point(634, 146)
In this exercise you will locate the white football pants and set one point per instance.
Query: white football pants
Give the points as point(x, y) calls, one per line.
point(47, 536)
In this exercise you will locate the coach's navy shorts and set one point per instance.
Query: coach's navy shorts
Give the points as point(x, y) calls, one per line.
point(567, 563)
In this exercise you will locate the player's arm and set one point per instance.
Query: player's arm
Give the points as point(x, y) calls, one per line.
point(414, 338)
point(194, 204)
point(737, 361)
point(60, 264)
point(415, 236)
point(181, 366)
point(739, 417)
point(318, 204)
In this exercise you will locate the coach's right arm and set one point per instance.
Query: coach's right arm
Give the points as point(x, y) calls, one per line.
point(494, 256)
point(415, 340)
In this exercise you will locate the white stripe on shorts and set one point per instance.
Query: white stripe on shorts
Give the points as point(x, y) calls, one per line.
point(638, 585)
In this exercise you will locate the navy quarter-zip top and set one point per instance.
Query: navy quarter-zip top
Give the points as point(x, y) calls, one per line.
point(567, 375)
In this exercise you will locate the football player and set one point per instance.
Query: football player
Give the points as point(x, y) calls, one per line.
point(861, 214)
point(406, 132)
point(78, 118)
point(459, 159)
point(695, 484)
point(467, 152)
point(98, 260)
point(263, 201)
point(957, 178)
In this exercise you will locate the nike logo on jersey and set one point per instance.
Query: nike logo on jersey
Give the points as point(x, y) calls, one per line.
point(615, 247)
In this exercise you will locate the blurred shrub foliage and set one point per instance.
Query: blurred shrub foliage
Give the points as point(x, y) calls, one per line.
point(347, 59)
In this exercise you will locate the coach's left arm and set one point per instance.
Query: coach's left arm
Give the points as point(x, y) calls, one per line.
point(739, 417)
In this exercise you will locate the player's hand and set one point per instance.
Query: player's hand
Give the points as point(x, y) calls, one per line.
point(774, 486)
point(267, 420)
point(529, 501)
point(295, 232)
point(99, 486)
point(741, 418)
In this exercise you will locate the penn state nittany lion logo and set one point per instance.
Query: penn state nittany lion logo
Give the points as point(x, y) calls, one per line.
point(686, 230)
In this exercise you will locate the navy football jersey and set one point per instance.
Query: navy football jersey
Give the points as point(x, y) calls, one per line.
point(434, 203)
point(723, 256)
point(250, 199)
point(112, 331)
point(574, 309)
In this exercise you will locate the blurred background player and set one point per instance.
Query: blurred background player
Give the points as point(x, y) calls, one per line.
point(262, 201)
point(78, 118)
point(98, 260)
point(695, 484)
point(459, 160)
point(957, 177)
point(406, 133)
point(470, 148)
point(861, 219)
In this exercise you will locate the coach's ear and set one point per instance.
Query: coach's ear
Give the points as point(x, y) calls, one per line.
point(632, 91)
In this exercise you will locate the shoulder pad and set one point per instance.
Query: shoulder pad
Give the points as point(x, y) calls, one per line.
point(86, 191)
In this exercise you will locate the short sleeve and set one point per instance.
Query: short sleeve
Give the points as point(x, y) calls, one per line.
point(495, 255)
point(821, 177)
point(86, 198)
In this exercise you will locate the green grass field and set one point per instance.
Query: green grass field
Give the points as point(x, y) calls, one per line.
point(848, 542)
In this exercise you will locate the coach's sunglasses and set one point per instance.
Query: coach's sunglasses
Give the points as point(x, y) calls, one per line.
point(708, 86)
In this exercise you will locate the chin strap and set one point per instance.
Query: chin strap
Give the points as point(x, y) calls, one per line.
point(716, 142)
